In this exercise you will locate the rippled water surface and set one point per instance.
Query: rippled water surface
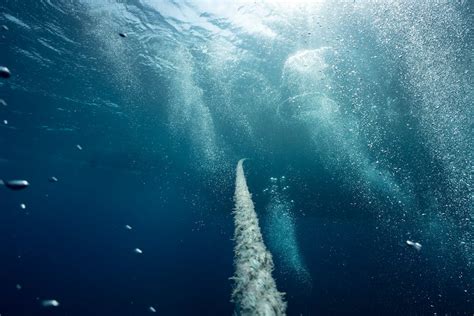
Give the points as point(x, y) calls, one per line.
point(127, 119)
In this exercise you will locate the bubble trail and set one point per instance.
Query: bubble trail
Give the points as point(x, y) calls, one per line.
point(282, 233)
point(255, 291)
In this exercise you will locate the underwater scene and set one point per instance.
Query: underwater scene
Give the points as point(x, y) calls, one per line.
point(236, 157)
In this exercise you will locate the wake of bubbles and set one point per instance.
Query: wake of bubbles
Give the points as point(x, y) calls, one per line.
point(307, 75)
point(282, 233)
point(255, 291)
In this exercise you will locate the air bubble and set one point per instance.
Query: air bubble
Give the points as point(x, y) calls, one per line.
point(50, 303)
point(414, 245)
point(5, 72)
point(16, 184)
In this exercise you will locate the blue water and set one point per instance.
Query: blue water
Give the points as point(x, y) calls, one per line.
point(356, 117)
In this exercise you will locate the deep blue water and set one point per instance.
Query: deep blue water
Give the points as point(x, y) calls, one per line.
point(356, 118)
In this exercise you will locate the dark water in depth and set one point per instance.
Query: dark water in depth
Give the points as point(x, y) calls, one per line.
point(356, 117)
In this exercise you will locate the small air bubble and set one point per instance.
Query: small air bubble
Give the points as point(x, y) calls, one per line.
point(53, 179)
point(50, 303)
point(414, 245)
point(5, 72)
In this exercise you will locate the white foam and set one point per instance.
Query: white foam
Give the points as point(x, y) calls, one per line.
point(255, 291)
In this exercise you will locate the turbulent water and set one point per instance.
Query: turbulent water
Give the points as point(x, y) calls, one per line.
point(127, 119)
point(255, 291)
